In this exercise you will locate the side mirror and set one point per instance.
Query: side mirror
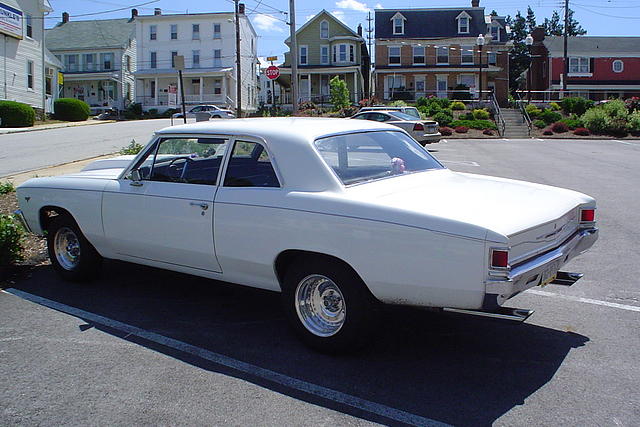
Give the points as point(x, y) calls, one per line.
point(135, 178)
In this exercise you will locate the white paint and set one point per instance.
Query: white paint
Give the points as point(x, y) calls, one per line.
point(585, 300)
point(246, 368)
point(461, 162)
point(625, 143)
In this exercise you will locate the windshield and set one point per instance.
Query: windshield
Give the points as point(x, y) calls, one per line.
point(402, 116)
point(412, 111)
point(366, 156)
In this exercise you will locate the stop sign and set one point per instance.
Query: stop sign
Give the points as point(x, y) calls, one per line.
point(272, 72)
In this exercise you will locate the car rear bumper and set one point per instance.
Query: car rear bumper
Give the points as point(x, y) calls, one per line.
point(532, 272)
point(427, 137)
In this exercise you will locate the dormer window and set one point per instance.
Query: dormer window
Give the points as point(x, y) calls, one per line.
point(464, 21)
point(324, 30)
point(495, 33)
point(398, 23)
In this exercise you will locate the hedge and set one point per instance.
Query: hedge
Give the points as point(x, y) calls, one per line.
point(71, 109)
point(16, 114)
point(475, 124)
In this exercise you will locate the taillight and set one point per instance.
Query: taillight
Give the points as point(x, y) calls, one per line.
point(418, 126)
point(587, 215)
point(499, 258)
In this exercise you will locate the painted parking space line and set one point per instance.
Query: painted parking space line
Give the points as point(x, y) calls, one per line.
point(585, 300)
point(237, 365)
point(625, 142)
point(461, 162)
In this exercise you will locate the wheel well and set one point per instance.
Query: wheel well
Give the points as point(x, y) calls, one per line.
point(286, 258)
point(48, 213)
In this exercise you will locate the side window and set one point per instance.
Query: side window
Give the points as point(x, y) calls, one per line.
point(184, 160)
point(250, 166)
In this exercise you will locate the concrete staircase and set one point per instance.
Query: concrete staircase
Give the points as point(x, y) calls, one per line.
point(514, 125)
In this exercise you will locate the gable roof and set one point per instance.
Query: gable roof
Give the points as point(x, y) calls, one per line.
point(99, 34)
point(441, 22)
point(595, 45)
point(323, 12)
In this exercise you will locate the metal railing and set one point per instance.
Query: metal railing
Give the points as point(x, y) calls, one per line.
point(523, 110)
point(502, 125)
point(546, 96)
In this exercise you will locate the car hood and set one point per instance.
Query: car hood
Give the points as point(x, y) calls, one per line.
point(501, 205)
point(112, 173)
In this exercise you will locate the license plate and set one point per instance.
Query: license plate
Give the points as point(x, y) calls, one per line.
point(548, 275)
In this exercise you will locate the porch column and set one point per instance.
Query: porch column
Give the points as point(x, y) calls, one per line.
point(201, 89)
point(356, 94)
point(157, 102)
point(224, 91)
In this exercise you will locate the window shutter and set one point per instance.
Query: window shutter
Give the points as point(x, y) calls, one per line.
point(592, 63)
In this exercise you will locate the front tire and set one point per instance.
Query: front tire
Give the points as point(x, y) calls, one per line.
point(328, 305)
point(71, 254)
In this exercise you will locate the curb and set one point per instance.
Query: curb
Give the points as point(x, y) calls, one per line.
point(49, 127)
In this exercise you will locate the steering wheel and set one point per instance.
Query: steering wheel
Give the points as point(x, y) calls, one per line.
point(187, 160)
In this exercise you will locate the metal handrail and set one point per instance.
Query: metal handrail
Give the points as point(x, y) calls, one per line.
point(502, 124)
point(525, 115)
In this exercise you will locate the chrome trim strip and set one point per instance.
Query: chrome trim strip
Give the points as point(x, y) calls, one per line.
point(20, 216)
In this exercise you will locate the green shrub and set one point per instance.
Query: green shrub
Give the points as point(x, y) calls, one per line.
point(132, 148)
point(475, 124)
point(572, 123)
point(398, 103)
point(444, 117)
point(616, 126)
point(616, 109)
point(16, 114)
point(549, 116)
point(576, 105)
point(71, 109)
point(533, 111)
point(595, 120)
point(7, 187)
point(339, 93)
point(11, 234)
point(633, 122)
point(458, 105)
point(555, 106)
point(539, 124)
point(480, 114)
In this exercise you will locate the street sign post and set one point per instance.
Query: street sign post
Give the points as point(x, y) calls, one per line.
point(178, 63)
point(272, 72)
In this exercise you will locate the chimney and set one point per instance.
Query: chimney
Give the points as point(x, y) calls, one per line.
point(360, 30)
point(157, 11)
point(134, 13)
point(475, 3)
point(241, 8)
point(65, 17)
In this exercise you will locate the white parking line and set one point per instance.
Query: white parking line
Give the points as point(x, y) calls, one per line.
point(585, 300)
point(625, 142)
point(460, 162)
point(272, 376)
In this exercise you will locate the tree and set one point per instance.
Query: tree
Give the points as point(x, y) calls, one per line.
point(339, 93)
point(519, 54)
point(530, 20)
point(555, 25)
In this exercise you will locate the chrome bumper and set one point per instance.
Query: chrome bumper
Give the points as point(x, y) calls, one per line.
point(532, 272)
point(431, 137)
point(20, 217)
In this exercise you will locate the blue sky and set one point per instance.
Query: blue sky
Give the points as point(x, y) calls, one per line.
point(598, 17)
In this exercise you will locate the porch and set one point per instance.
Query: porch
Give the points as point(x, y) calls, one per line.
point(99, 92)
point(313, 85)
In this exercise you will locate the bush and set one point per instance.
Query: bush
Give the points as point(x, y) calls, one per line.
point(339, 93)
point(617, 127)
point(480, 114)
point(555, 106)
point(595, 120)
point(7, 187)
point(633, 104)
point(549, 116)
point(572, 123)
point(616, 109)
point(633, 123)
point(547, 132)
point(475, 124)
point(533, 111)
point(444, 118)
point(132, 148)
point(539, 124)
point(16, 114)
point(461, 129)
point(458, 105)
point(487, 132)
point(10, 241)
point(581, 132)
point(446, 131)
point(72, 109)
point(559, 127)
point(307, 105)
point(576, 105)
point(398, 103)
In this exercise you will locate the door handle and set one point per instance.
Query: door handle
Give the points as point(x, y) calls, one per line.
point(203, 205)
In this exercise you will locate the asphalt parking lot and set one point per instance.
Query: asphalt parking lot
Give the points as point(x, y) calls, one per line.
point(143, 346)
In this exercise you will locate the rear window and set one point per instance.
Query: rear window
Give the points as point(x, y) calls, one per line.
point(412, 111)
point(402, 116)
point(367, 156)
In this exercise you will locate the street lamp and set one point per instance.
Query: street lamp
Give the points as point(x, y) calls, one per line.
point(480, 43)
point(529, 41)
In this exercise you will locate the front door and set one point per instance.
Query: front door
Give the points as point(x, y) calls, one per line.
point(167, 216)
point(420, 86)
point(304, 87)
point(441, 82)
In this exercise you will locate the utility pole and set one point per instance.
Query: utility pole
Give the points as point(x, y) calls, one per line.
point(293, 55)
point(566, 39)
point(238, 58)
point(370, 39)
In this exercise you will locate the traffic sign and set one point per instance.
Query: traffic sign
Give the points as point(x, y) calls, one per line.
point(272, 72)
point(272, 58)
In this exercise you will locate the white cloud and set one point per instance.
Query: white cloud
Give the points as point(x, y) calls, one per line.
point(353, 5)
point(308, 17)
point(267, 23)
point(378, 6)
point(340, 15)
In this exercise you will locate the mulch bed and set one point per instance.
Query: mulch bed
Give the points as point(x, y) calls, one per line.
point(537, 133)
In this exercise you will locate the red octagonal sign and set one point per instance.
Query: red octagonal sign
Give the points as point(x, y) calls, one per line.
point(272, 72)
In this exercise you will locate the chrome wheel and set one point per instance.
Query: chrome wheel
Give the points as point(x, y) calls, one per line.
point(320, 305)
point(67, 248)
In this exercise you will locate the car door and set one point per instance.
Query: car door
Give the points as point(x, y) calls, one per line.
point(167, 216)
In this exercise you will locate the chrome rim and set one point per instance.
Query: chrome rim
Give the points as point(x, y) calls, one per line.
point(66, 246)
point(320, 305)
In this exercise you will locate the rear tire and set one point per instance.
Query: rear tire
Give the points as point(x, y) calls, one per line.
point(328, 305)
point(71, 254)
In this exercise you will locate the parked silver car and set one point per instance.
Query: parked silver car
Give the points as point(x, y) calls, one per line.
point(423, 131)
point(215, 112)
point(412, 111)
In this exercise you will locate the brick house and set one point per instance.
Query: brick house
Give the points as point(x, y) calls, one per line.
point(599, 67)
point(422, 52)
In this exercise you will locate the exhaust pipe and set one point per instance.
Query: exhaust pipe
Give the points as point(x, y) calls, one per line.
point(566, 279)
point(504, 313)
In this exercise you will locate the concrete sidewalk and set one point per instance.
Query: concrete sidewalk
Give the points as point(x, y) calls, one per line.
point(54, 126)
point(63, 169)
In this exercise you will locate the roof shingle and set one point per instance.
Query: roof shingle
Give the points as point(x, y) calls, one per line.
point(107, 33)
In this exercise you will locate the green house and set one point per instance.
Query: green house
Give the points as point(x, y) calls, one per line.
point(327, 48)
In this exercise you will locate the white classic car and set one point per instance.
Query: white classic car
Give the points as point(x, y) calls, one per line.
point(337, 215)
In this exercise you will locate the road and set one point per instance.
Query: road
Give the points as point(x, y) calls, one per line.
point(27, 151)
point(144, 346)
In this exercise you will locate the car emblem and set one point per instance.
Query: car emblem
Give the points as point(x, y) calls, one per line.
point(27, 198)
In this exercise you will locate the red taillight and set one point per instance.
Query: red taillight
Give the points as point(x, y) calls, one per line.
point(418, 126)
point(588, 215)
point(499, 258)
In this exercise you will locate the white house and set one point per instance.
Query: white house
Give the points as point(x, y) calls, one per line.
point(28, 72)
point(99, 58)
point(208, 44)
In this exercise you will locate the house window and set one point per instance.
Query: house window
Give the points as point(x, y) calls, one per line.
point(153, 88)
point(216, 31)
point(48, 81)
point(398, 26)
point(90, 62)
point(174, 31)
point(395, 82)
point(29, 26)
point(71, 63)
point(127, 61)
point(217, 58)
point(153, 60)
point(195, 32)
point(30, 74)
point(442, 55)
point(618, 66)
point(195, 58)
point(466, 54)
point(217, 87)
point(492, 58)
point(153, 32)
point(340, 53)
point(324, 54)
point(578, 65)
point(495, 33)
point(352, 56)
point(394, 55)
point(324, 30)
point(107, 61)
point(418, 55)
point(463, 25)
point(173, 59)
point(303, 55)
